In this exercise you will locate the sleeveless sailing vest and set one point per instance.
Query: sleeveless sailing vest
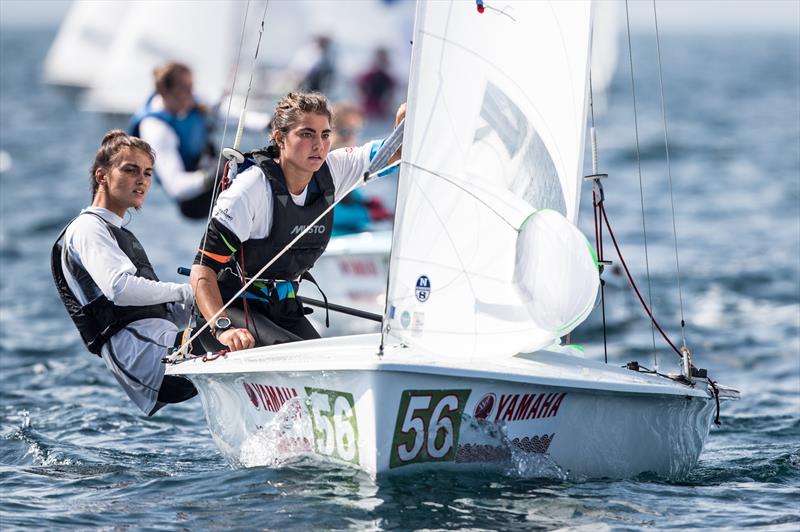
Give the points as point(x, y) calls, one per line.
point(100, 319)
point(288, 220)
point(192, 132)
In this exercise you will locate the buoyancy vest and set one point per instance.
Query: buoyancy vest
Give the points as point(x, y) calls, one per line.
point(192, 131)
point(288, 220)
point(100, 319)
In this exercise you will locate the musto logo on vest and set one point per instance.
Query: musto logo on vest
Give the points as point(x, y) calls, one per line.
point(316, 230)
point(423, 289)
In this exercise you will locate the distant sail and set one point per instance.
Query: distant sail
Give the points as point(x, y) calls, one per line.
point(82, 42)
point(198, 34)
point(486, 259)
point(111, 48)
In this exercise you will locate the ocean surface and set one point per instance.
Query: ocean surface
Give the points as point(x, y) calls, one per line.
point(75, 453)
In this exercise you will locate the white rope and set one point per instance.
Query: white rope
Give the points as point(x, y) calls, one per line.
point(225, 131)
point(641, 188)
point(669, 176)
point(221, 144)
point(255, 277)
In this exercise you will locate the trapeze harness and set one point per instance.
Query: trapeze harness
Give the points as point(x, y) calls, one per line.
point(100, 319)
point(192, 132)
point(288, 220)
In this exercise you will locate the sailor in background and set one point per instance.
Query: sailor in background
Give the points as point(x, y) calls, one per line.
point(122, 311)
point(356, 212)
point(177, 128)
point(279, 192)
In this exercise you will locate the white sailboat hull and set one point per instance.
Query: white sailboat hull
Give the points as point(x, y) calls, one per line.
point(403, 411)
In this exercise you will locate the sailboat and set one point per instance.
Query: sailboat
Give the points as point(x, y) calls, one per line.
point(488, 273)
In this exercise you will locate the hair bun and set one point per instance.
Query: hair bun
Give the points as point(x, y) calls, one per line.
point(113, 134)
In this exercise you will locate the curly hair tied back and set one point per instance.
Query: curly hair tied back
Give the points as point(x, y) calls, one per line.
point(113, 143)
point(288, 112)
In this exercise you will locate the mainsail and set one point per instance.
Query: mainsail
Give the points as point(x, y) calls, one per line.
point(486, 260)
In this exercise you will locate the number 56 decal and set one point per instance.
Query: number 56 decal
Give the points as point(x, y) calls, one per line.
point(334, 420)
point(428, 424)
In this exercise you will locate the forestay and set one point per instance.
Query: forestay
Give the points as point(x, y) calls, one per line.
point(486, 260)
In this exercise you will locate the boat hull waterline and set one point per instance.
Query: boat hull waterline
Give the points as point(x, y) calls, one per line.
point(389, 414)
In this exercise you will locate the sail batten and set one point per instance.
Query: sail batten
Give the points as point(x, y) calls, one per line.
point(486, 259)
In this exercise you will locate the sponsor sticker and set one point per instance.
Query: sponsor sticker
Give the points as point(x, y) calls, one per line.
point(423, 288)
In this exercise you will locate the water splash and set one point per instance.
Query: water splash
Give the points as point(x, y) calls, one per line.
point(286, 439)
point(487, 442)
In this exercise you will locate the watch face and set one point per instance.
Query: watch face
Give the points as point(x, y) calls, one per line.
point(222, 323)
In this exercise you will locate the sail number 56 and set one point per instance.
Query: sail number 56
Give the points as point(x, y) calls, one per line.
point(428, 424)
point(334, 421)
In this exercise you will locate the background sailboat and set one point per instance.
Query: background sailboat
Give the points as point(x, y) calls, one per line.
point(487, 272)
point(109, 49)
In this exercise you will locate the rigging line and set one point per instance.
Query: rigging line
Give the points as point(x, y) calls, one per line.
point(633, 284)
point(641, 186)
point(597, 227)
point(238, 138)
point(215, 188)
point(227, 118)
point(669, 175)
point(264, 268)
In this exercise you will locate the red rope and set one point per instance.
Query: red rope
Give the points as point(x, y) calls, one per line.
point(597, 244)
point(633, 284)
point(225, 184)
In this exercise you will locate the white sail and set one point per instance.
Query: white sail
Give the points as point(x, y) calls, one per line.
point(201, 34)
point(82, 42)
point(486, 260)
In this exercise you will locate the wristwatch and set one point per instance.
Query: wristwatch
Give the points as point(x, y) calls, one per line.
point(223, 323)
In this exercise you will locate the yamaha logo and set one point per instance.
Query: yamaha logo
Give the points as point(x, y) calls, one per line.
point(316, 230)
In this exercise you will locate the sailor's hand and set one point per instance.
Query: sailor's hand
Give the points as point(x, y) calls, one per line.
point(237, 339)
point(401, 114)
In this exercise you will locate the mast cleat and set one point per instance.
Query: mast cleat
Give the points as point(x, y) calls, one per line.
point(233, 154)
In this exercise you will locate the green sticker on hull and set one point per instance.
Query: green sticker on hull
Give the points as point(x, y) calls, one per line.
point(333, 418)
point(428, 426)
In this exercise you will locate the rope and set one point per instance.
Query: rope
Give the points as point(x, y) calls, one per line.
point(669, 175)
point(222, 144)
point(633, 283)
point(598, 235)
point(641, 186)
point(240, 127)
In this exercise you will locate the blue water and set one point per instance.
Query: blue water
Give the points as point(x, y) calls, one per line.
point(75, 453)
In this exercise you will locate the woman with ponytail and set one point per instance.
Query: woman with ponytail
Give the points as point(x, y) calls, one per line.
point(123, 312)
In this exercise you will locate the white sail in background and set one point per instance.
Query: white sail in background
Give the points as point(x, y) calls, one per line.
point(486, 260)
point(111, 48)
point(200, 34)
point(82, 42)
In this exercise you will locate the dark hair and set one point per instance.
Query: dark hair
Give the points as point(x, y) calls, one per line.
point(165, 76)
point(114, 142)
point(288, 110)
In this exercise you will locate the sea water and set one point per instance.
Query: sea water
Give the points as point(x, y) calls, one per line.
point(75, 453)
